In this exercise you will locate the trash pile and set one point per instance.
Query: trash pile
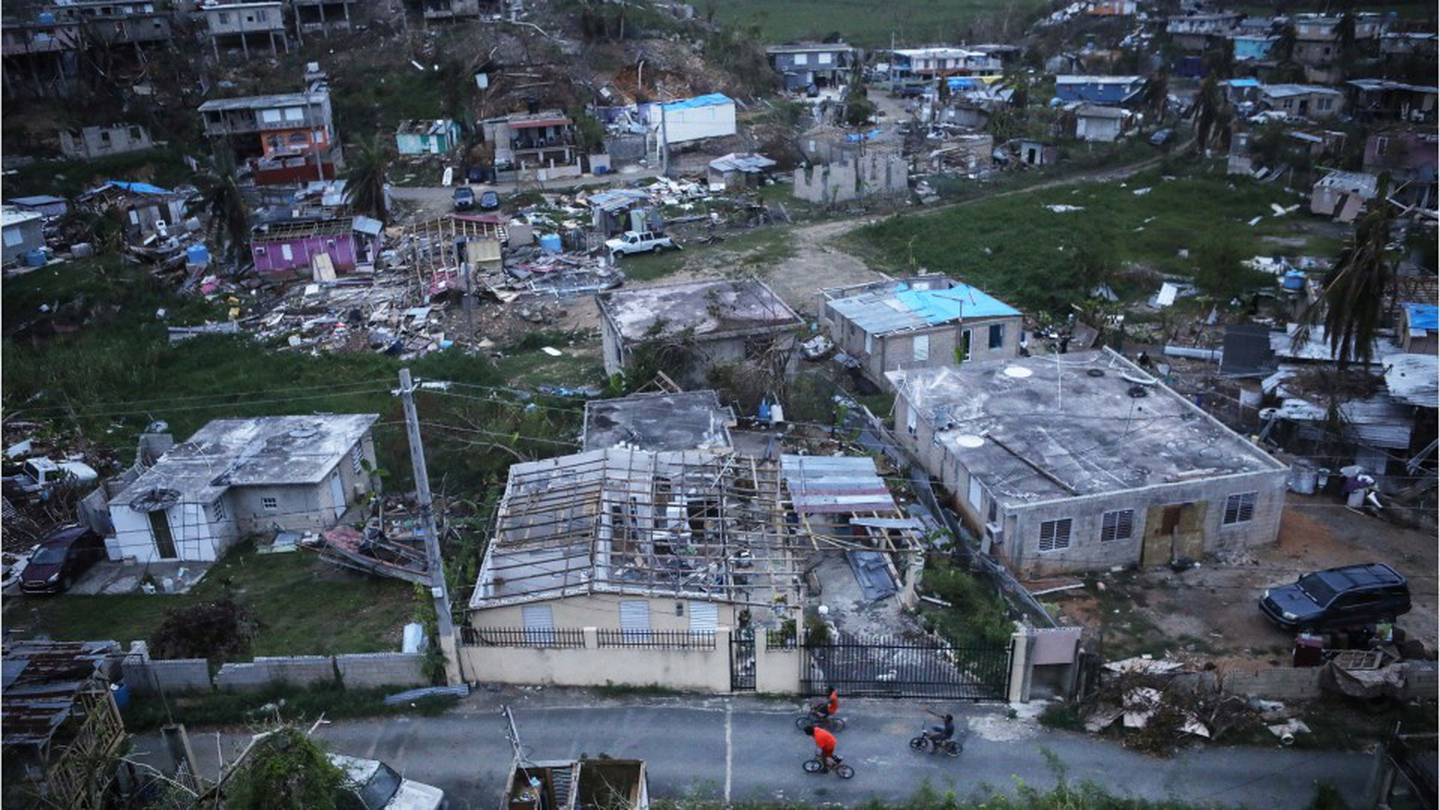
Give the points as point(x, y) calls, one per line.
point(1160, 711)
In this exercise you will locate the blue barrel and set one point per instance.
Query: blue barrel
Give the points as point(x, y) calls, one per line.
point(197, 254)
point(121, 692)
point(1293, 280)
point(46, 18)
point(550, 243)
point(35, 258)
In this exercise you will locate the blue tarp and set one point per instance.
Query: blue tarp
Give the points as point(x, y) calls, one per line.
point(1424, 316)
point(707, 100)
point(864, 136)
point(942, 306)
point(137, 188)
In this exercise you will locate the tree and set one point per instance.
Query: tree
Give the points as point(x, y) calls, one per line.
point(1207, 110)
point(1351, 306)
point(1221, 272)
point(1157, 94)
point(1284, 48)
point(286, 769)
point(221, 200)
point(365, 179)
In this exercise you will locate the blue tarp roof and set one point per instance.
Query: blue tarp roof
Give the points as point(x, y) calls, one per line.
point(1424, 316)
point(856, 137)
point(707, 100)
point(138, 188)
point(939, 306)
point(1245, 82)
point(879, 312)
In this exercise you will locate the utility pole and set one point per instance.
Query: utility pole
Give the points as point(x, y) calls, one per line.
point(444, 624)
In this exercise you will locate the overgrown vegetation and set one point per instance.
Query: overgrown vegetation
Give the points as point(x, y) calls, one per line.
point(216, 630)
point(296, 703)
point(976, 616)
point(163, 167)
point(871, 25)
point(286, 769)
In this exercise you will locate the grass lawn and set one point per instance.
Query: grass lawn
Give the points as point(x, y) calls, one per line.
point(750, 252)
point(1023, 252)
point(67, 178)
point(306, 606)
point(867, 24)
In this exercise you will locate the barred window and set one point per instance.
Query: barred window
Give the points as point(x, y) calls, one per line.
point(1117, 525)
point(1055, 534)
point(1239, 508)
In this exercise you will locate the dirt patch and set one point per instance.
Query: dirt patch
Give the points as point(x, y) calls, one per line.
point(817, 263)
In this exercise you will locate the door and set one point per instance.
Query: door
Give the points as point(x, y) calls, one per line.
point(1172, 531)
point(337, 494)
point(160, 530)
point(1031, 157)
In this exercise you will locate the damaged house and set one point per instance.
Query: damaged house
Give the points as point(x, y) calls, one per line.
point(715, 322)
point(1084, 461)
point(627, 566)
point(803, 65)
point(93, 143)
point(240, 476)
point(1098, 124)
point(241, 26)
point(320, 248)
point(1342, 195)
point(658, 422)
point(918, 322)
point(427, 137)
point(144, 210)
point(283, 139)
point(690, 120)
point(738, 171)
point(533, 146)
point(24, 233)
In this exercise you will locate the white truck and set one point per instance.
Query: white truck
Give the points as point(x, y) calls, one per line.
point(38, 476)
point(638, 242)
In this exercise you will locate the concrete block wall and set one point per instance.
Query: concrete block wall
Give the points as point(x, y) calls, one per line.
point(370, 670)
point(300, 670)
point(1277, 683)
point(172, 676)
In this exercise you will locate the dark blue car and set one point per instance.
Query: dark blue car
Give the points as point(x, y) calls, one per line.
point(1338, 598)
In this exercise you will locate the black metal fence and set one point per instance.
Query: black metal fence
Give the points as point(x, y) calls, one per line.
point(908, 668)
point(564, 638)
point(657, 639)
point(742, 663)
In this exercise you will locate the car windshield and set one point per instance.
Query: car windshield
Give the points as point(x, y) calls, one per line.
point(381, 788)
point(1317, 589)
point(49, 555)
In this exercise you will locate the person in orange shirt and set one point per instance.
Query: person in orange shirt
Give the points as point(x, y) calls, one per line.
point(825, 744)
point(829, 707)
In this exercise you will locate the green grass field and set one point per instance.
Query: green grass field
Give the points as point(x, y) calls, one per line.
point(1018, 249)
point(869, 24)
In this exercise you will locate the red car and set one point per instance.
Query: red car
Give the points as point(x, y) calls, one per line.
point(62, 557)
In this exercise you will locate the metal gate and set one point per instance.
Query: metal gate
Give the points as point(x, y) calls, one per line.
point(742, 661)
point(908, 668)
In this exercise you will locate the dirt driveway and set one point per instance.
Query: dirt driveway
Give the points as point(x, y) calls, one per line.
point(1210, 612)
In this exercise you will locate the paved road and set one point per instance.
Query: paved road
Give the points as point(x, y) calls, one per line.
point(745, 748)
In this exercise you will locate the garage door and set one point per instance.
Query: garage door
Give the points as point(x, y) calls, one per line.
point(703, 617)
point(635, 617)
point(539, 624)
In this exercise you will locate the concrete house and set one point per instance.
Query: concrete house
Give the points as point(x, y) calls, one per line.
point(240, 476)
point(818, 64)
point(450, 9)
point(690, 120)
point(539, 145)
point(1410, 157)
point(1084, 461)
point(42, 56)
point(426, 137)
point(659, 422)
point(1252, 47)
point(918, 322)
point(241, 26)
point(47, 205)
point(326, 17)
point(931, 63)
point(1372, 100)
point(1110, 91)
point(90, 143)
point(1304, 100)
point(24, 231)
point(629, 566)
point(1101, 124)
point(720, 321)
point(296, 245)
point(283, 139)
point(873, 173)
point(110, 23)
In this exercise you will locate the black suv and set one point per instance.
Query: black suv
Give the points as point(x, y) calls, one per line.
point(1337, 598)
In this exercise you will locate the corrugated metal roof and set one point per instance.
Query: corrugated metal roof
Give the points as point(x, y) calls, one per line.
point(884, 311)
point(617, 199)
point(835, 484)
point(1318, 348)
point(14, 216)
point(748, 162)
point(707, 100)
point(1412, 379)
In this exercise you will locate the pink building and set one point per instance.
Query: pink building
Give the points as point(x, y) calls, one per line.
point(289, 246)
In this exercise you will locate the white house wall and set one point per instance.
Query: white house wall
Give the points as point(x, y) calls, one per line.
point(197, 536)
point(697, 123)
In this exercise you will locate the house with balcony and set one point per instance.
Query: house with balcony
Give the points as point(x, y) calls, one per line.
point(533, 146)
point(287, 138)
point(242, 26)
point(41, 56)
point(325, 17)
point(111, 23)
point(812, 64)
point(1311, 101)
point(926, 64)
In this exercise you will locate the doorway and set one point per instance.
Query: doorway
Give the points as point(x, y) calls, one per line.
point(160, 530)
point(337, 494)
point(1173, 531)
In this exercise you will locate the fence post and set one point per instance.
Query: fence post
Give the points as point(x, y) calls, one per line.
point(592, 638)
point(1021, 648)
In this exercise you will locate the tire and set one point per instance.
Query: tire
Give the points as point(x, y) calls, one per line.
point(801, 723)
point(837, 724)
point(813, 766)
point(953, 748)
point(844, 771)
point(919, 743)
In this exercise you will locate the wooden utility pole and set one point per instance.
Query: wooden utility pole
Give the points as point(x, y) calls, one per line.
point(444, 623)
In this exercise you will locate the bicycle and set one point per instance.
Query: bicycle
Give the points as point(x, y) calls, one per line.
point(814, 765)
point(834, 723)
point(924, 742)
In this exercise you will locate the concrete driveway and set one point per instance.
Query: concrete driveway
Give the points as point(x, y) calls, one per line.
point(747, 748)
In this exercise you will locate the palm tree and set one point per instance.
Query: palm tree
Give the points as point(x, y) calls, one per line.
point(1208, 109)
point(221, 200)
point(365, 179)
point(1157, 93)
point(1351, 307)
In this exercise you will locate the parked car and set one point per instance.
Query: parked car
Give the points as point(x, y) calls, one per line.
point(36, 477)
point(1162, 136)
point(376, 785)
point(1337, 598)
point(489, 201)
point(464, 198)
point(62, 557)
point(638, 242)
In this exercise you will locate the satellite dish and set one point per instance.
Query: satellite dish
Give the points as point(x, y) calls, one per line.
point(1018, 372)
point(969, 440)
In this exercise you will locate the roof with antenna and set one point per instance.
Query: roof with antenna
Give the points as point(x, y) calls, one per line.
point(1042, 428)
point(914, 303)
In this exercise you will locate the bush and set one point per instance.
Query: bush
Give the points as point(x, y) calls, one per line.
point(287, 769)
point(1062, 716)
point(215, 630)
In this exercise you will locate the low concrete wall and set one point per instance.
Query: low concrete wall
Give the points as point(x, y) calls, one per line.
point(369, 670)
point(1277, 683)
point(300, 670)
point(593, 665)
point(147, 677)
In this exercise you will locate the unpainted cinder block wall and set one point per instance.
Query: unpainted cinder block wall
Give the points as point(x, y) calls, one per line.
point(170, 676)
point(372, 670)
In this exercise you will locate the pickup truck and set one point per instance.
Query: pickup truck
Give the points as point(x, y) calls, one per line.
point(37, 477)
point(638, 242)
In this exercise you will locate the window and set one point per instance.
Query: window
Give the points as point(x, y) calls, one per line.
point(976, 494)
point(992, 513)
point(217, 511)
point(1055, 534)
point(802, 58)
point(1117, 525)
point(997, 335)
point(824, 58)
point(962, 353)
point(270, 503)
point(357, 459)
point(920, 348)
point(294, 114)
point(1382, 145)
point(270, 116)
point(13, 237)
point(1239, 508)
point(224, 18)
point(105, 137)
point(287, 253)
point(134, 133)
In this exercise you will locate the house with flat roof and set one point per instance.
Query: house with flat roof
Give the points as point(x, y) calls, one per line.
point(242, 26)
point(818, 64)
point(1372, 100)
point(1114, 91)
point(1098, 124)
point(918, 322)
point(689, 120)
point(235, 477)
point(1303, 100)
point(94, 142)
point(285, 138)
point(24, 232)
point(931, 63)
point(659, 421)
point(539, 145)
point(716, 322)
point(1084, 461)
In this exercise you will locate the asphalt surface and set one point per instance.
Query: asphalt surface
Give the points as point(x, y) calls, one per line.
point(747, 748)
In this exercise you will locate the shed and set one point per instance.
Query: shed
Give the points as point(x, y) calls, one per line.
point(692, 119)
point(738, 170)
point(23, 232)
point(44, 204)
point(427, 137)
